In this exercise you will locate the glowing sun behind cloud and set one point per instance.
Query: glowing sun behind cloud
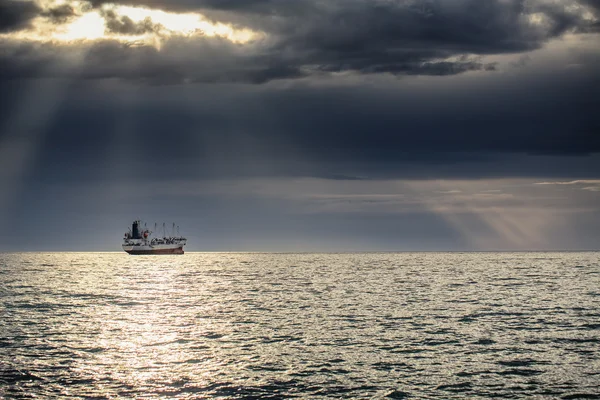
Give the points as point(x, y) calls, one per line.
point(184, 24)
point(89, 24)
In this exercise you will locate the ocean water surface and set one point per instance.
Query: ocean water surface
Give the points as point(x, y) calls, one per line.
point(242, 325)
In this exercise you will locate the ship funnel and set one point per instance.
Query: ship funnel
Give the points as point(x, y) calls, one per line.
point(135, 230)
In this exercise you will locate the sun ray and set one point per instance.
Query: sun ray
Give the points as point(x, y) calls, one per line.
point(23, 134)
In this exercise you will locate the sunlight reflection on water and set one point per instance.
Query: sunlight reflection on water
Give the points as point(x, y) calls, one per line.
point(283, 325)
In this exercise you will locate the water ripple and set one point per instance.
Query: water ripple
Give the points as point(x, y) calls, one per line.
point(271, 326)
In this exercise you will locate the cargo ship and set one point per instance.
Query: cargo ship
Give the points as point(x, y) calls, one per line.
point(139, 240)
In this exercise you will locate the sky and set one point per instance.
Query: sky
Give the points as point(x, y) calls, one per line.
point(305, 125)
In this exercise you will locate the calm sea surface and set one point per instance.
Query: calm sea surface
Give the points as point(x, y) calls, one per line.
point(407, 325)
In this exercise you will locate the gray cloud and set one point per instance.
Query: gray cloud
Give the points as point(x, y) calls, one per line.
point(595, 4)
point(16, 15)
point(304, 38)
point(576, 182)
point(488, 126)
point(124, 25)
point(215, 60)
point(481, 125)
point(440, 68)
point(60, 14)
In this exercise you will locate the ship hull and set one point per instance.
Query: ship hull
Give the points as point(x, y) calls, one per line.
point(178, 250)
point(160, 249)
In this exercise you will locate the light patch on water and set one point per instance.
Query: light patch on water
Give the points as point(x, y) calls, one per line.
point(234, 325)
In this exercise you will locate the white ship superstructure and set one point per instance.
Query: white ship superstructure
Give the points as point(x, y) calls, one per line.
point(139, 240)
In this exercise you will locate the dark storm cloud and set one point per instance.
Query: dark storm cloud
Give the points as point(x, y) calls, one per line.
point(124, 25)
point(594, 6)
point(217, 60)
point(593, 3)
point(428, 37)
point(60, 14)
point(502, 125)
point(16, 15)
point(480, 26)
point(494, 127)
point(405, 37)
point(420, 68)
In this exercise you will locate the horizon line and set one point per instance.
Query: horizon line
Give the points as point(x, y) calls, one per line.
point(317, 252)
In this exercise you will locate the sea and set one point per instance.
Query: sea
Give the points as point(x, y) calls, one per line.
point(313, 326)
